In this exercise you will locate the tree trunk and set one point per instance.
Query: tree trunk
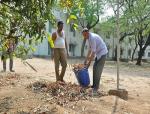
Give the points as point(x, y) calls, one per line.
point(115, 57)
point(82, 48)
point(142, 50)
point(139, 60)
point(134, 52)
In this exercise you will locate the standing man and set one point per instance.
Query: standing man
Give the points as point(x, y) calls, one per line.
point(60, 51)
point(97, 49)
point(8, 53)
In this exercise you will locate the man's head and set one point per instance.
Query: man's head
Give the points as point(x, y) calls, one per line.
point(60, 25)
point(85, 33)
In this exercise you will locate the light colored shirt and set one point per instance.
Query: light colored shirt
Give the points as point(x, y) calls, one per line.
point(97, 45)
point(60, 41)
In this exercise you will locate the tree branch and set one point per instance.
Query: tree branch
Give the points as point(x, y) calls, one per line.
point(126, 34)
point(94, 23)
point(80, 22)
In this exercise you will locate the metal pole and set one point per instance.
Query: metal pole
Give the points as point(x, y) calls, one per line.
point(118, 45)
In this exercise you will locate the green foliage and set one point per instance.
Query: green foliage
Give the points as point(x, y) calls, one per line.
point(134, 16)
point(26, 18)
point(108, 27)
point(84, 12)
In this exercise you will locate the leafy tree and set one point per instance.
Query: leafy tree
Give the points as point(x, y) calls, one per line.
point(26, 18)
point(137, 18)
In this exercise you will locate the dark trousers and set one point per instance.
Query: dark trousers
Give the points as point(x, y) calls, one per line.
point(97, 71)
point(4, 58)
point(60, 57)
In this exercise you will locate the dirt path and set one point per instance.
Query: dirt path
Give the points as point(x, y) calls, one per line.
point(15, 98)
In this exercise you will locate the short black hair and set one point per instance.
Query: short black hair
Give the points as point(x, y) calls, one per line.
point(59, 23)
point(85, 30)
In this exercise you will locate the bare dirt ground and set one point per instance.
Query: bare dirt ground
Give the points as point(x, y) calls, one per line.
point(15, 98)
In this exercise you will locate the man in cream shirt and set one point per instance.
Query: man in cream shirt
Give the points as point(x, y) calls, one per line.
point(60, 51)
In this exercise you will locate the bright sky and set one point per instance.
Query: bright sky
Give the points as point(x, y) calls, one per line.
point(107, 12)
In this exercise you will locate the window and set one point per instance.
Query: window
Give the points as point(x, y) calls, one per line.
point(50, 27)
point(121, 51)
point(74, 33)
point(143, 54)
point(129, 52)
point(72, 49)
point(148, 54)
point(71, 27)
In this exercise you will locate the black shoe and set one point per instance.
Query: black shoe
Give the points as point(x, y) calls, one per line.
point(92, 86)
point(12, 71)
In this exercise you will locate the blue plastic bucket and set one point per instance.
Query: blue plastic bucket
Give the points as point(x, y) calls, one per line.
point(82, 76)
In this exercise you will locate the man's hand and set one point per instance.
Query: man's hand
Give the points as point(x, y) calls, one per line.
point(87, 63)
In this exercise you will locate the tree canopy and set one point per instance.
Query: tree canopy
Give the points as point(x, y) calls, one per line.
point(26, 18)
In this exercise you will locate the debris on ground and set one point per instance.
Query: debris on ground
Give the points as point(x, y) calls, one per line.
point(22, 112)
point(41, 110)
point(9, 79)
point(62, 93)
point(5, 104)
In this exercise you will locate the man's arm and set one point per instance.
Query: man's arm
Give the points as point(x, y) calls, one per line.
point(91, 57)
point(92, 52)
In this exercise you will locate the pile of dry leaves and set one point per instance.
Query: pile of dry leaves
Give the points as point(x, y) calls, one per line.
point(63, 93)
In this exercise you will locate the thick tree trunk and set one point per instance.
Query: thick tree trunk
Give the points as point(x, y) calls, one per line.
point(139, 60)
point(142, 50)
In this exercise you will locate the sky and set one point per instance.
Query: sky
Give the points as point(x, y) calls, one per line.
point(108, 11)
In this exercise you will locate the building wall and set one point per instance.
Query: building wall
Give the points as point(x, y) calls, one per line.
point(147, 53)
point(42, 49)
point(75, 38)
point(126, 49)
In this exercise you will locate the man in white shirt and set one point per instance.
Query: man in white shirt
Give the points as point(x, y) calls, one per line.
point(60, 51)
point(97, 49)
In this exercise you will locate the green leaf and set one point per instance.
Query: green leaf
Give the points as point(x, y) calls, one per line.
point(75, 25)
point(68, 20)
point(72, 17)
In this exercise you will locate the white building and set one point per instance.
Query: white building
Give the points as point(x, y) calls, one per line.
point(74, 40)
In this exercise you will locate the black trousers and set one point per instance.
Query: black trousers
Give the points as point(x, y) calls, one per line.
point(5, 56)
point(97, 71)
